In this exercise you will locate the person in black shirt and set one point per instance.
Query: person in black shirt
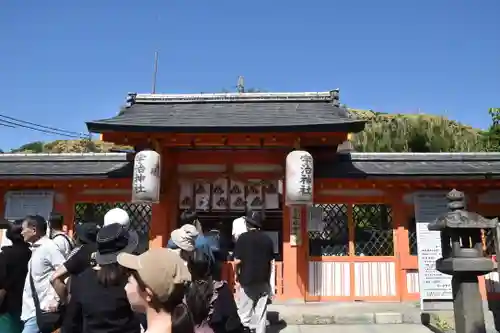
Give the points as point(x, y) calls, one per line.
point(13, 270)
point(79, 260)
point(253, 252)
point(98, 292)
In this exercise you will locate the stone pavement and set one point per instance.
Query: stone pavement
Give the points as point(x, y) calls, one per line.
point(361, 313)
point(326, 313)
point(406, 328)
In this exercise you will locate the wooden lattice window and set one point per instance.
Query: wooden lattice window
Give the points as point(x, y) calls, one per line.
point(367, 227)
point(140, 217)
point(374, 234)
point(412, 236)
point(333, 240)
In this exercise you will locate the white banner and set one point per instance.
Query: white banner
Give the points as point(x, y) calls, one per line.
point(434, 285)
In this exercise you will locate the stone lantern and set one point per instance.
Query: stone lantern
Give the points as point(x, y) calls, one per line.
point(463, 259)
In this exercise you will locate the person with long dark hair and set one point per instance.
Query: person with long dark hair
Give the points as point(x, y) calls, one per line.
point(156, 287)
point(13, 270)
point(100, 302)
point(210, 300)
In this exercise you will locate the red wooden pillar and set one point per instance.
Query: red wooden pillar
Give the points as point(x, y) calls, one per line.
point(295, 270)
point(164, 213)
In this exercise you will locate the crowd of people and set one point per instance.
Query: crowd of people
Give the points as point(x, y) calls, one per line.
point(97, 282)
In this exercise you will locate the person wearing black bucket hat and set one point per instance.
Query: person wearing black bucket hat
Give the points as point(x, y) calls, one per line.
point(254, 219)
point(99, 290)
point(113, 240)
point(86, 232)
point(254, 253)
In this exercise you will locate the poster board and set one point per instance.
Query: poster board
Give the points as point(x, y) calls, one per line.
point(18, 204)
point(435, 286)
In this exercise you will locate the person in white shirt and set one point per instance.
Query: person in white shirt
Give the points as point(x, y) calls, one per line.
point(239, 227)
point(64, 243)
point(46, 258)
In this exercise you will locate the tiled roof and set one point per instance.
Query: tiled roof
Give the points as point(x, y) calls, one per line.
point(108, 165)
point(354, 165)
point(424, 165)
point(225, 113)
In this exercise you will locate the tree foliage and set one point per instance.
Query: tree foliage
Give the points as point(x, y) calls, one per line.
point(492, 135)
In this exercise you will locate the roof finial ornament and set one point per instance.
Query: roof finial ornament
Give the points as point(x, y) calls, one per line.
point(130, 99)
point(334, 94)
point(241, 84)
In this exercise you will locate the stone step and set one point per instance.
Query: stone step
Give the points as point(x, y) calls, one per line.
point(368, 318)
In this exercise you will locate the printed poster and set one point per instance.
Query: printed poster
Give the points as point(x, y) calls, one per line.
point(271, 196)
point(202, 196)
point(237, 195)
point(186, 195)
point(220, 193)
point(254, 196)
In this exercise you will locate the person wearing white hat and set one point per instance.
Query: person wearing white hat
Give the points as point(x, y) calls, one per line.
point(117, 215)
point(184, 239)
point(120, 216)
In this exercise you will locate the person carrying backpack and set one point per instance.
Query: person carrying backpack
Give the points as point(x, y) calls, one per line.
point(209, 245)
point(63, 242)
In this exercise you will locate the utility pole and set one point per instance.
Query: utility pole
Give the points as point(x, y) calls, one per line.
point(155, 71)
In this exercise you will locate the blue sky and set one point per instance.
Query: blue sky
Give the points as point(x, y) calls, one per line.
point(66, 62)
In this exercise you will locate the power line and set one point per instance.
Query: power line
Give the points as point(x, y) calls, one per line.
point(38, 125)
point(8, 123)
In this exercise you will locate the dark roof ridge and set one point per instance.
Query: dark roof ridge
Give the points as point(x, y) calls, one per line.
point(47, 157)
point(408, 156)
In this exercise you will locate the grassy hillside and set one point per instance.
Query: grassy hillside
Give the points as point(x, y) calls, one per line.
point(68, 146)
point(415, 133)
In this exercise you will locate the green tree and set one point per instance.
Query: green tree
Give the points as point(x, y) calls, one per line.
point(32, 147)
point(492, 135)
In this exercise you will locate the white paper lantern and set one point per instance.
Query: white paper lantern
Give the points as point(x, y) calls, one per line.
point(146, 178)
point(299, 178)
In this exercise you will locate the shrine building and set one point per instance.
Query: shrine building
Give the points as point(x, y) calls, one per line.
point(346, 233)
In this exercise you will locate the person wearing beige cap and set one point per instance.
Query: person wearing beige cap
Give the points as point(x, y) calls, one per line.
point(156, 287)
